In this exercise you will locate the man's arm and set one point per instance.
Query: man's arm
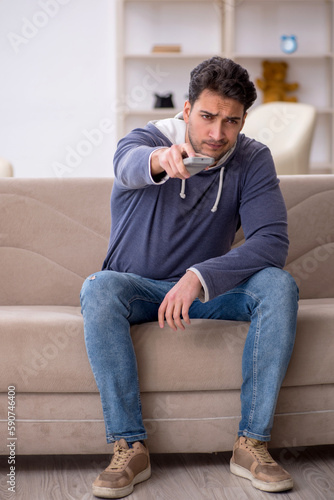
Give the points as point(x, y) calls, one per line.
point(264, 221)
point(142, 157)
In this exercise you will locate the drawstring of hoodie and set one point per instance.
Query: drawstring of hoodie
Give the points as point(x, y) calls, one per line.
point(220, 188)
point(183, 189)
point(219, 192)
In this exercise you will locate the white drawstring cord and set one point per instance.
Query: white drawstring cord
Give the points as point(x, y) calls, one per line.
point(183, 189)
point(220, 188)
point(219, 193)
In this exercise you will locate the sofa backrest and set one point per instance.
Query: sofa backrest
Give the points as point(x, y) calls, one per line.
point(55, 232)
point(310, 204)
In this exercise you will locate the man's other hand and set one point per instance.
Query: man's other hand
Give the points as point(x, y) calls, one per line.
point(178, 301)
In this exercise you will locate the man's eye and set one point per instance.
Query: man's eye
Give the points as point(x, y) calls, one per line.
point(206, 117)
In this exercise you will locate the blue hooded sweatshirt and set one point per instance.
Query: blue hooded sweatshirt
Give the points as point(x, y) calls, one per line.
point(162, 227)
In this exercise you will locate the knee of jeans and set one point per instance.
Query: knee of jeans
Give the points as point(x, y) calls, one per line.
point(281, 284)
point(102, 287)
point(85, 291)
point(93, 287)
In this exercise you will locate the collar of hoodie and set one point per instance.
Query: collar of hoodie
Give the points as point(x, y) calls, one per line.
point(220, 165)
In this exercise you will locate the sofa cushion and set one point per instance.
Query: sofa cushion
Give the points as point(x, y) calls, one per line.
point(43, 350)
point(214, 352)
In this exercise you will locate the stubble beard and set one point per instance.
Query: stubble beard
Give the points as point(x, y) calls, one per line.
point(199, 149)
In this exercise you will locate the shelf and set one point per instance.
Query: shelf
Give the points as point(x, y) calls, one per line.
point(173, 111)
point(310, 21)
point(283, 1)
point(281, 55)
point(230, 1)
point(164, 1)
point(169, 55)
point(222, 1)
point(155, 112)
point(148, 23)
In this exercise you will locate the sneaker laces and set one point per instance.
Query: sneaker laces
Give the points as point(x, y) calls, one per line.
point(119, 458)
point(261, 451)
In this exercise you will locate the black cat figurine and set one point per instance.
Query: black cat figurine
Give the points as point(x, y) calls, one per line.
point(164, 101)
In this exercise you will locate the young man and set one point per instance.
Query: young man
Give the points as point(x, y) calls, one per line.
point(170, 259)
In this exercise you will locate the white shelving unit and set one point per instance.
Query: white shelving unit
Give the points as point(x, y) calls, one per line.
point(247, 31)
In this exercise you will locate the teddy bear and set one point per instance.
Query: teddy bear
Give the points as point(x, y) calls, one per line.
point(273, 83)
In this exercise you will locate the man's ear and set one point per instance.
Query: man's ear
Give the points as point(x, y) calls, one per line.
point(243, 121)
point(186, 111)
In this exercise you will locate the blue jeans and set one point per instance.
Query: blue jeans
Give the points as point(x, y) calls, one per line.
point(111, 302)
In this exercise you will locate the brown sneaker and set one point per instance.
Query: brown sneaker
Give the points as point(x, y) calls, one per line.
point(128, 467)
point(251, 460)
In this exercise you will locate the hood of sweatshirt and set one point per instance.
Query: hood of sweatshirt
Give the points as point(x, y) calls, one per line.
point(175, 131)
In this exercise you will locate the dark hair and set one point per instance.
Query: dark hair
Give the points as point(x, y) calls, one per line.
point(225, 77)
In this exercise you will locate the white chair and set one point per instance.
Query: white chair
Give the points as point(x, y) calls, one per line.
point(6, 169)
point(287, 129)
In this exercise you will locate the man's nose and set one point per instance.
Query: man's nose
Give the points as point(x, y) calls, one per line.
point(217, 132)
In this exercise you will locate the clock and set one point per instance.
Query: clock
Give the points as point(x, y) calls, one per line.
point(288, 44)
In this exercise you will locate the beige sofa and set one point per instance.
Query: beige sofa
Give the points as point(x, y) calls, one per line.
point(53, 234)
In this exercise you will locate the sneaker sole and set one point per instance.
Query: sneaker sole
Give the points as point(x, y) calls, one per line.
point(100, 492)
point(287, 484)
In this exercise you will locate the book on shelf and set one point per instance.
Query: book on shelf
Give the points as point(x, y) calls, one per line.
point(166, 48)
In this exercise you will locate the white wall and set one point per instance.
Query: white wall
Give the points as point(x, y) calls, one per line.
point(57, 87)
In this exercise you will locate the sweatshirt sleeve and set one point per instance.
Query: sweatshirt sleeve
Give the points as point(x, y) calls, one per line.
point(132, 159)
point(263, 218)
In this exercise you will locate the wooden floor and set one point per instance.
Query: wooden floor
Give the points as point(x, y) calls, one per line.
point(174, 477)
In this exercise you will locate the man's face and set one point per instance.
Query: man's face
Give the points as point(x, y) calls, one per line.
point(213, 123)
